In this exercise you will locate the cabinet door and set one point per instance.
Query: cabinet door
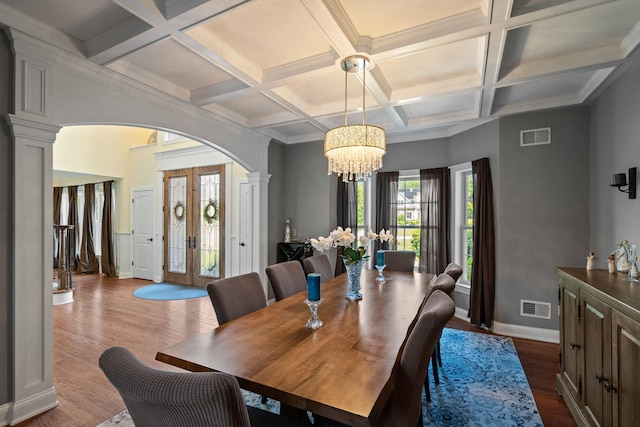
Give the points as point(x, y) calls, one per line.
point(570, 339)
point(624, 386)
point(596, 321)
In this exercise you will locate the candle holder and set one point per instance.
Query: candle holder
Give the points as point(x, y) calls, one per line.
point(314, 322)
point(380, 277)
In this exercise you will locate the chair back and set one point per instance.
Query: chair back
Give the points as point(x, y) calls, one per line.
point(158, 398)
point(233, 297)
point(443, 282)
point(404, 405)
point(286, 278)
point(453, 270)
point(400, 260)
point(319, 264)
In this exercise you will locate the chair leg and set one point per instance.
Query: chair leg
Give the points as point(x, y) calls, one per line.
point(263, 400)
point(434, 366)
point(420, 422)
point(438, 353)
point(426, 387)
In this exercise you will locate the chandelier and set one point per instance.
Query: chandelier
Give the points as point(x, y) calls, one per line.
point(355, 151)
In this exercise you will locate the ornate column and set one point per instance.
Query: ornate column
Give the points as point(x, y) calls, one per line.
point(33, 137)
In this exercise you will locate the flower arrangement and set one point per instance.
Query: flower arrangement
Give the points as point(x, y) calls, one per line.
point(345, 239)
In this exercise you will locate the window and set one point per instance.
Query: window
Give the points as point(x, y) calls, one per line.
point(361, 209)
point(462, 179)
point(408, 211)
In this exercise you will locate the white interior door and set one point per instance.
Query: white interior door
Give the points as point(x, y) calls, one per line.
point(245, 228)
point(142, 213)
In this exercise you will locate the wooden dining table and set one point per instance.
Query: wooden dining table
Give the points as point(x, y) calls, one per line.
point(343, 371)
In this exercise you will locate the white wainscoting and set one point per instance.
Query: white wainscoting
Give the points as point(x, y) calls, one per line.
point(123, 255)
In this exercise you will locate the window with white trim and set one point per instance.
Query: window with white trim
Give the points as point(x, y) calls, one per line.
point(462, 179)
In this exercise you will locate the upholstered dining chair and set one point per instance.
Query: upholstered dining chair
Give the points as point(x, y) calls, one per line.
point(453, 270)
point(157, 398)
point(404, 407)
point(233, 297)
point(319, 264)
point(286, 278)
point(445, 283)
point(400, 260)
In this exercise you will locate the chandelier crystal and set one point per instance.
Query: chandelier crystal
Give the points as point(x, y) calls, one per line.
point(355, 151)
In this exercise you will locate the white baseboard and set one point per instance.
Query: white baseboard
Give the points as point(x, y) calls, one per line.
point(4, 411)
point(517, 331)
point(32, 406)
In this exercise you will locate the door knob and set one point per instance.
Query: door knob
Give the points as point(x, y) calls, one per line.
point(150, 240)
point(243, 244)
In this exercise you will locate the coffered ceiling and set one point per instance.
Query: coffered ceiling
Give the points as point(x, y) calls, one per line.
point(439, 67)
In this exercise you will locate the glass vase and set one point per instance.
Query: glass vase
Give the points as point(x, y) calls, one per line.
point(354, 271)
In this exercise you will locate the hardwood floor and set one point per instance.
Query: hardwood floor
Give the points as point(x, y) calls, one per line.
point(105, 313)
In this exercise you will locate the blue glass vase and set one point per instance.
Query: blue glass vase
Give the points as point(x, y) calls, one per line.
point(354, 271)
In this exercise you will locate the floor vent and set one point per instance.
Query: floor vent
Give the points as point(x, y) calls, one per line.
point(535, 309)
point(535, 137)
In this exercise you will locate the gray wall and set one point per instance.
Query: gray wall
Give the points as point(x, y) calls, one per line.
point(6, 197)
point(543, 210)
point(278, 173)
point(615, 147)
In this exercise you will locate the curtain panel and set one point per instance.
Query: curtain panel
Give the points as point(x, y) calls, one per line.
point(57, 204)
point(386, 205)
point(435, 220)
point(88, 259)
point(107, 259)
point(483, 270)
point(72, 219)
point(347, 214)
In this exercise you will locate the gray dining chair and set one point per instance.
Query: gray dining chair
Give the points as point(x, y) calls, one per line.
point(404, 407)
point(396, 260)
point(445, 283)
point(453, 270)
point(286, 278)
point(236, 296)
point(157, 398)
point(319, 264)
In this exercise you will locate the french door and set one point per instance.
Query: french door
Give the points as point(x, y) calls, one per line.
point(194, 225)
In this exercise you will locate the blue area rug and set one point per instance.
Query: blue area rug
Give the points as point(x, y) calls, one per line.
point(482, 383)
point(169, 291)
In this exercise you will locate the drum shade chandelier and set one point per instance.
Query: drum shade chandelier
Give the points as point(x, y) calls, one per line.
point(355, 151)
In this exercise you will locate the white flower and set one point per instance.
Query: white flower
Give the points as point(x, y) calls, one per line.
point(371, 235)
point(344, 237)
point(385, 236)
point(363, 240)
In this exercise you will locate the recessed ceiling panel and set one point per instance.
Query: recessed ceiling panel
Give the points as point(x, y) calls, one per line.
point(377, 19)
point(168, 60)
point(520, 7)
point(253, 107)
point(442, 105)
point(447, 62)
point(82, 20)
point(295, 129)
point(269, 33)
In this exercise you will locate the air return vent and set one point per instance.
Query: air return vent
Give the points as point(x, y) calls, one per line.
point(535, 137)
point(535, 309)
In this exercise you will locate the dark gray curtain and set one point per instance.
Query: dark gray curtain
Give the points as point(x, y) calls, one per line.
point(57, 204)
point(72, 219)
point(88, 259)
point(386, 205)
point(435, 214)
point(483, 269)
point(108, 252)
point(347, 213)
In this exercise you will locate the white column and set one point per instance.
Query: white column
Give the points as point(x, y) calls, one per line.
point(33, 390)
point(259, 182)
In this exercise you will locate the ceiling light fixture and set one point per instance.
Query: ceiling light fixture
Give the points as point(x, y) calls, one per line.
point(355, 151)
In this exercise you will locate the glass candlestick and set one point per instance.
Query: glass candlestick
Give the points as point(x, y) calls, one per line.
point(314, 322)
point(380, 277)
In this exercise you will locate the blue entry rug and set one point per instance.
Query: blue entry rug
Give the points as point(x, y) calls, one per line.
point(169, 291)
point(482, 383)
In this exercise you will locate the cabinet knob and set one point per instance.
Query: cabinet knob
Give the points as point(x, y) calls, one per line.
point(610, 387)
point(575, 345)
point(600, 378)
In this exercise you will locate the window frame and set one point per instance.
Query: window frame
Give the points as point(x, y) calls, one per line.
point(459, 175)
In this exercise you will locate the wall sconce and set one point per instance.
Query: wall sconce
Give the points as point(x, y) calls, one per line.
point(620, 180)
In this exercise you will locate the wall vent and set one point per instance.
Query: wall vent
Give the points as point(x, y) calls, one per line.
point(535, 309)
point(535, 137)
